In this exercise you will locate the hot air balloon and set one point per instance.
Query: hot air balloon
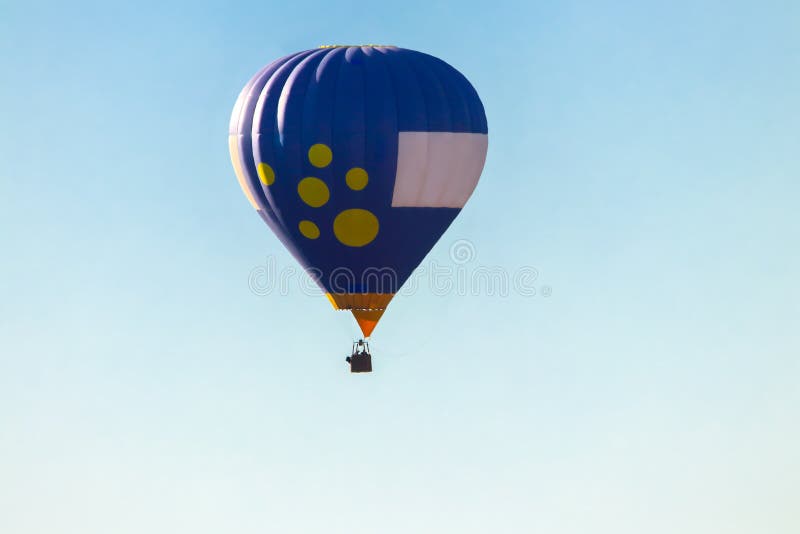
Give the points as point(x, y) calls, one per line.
point(358, 158)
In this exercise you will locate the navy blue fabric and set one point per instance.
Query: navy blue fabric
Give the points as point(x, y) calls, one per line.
point(355, 100)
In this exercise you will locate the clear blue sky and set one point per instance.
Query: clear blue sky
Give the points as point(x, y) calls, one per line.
point(643, 158)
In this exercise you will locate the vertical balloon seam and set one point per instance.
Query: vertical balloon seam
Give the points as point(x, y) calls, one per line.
point(311, 128)
point(334, 106)
point(341, 122)
point(427, 116)
point(243, 138)
point(311, 64)
point(438, 89)
point(238, 108)
point(458, 82)
point(364, 127)
point(335, 93)
point(264, 193)
point(427, 120)
point(389, 99)
point(359, 60)
point(294, 79)
point(458, 86)
point(304, 147)
point(454, 96)
point(337, 55)
point(275, 137)
point(477, 110)
point(364, 118)
point(280, 111)
point(369, 298)
point(249, 87)
point(236, 115)
point(268, 112)
point(390, 59)
point(235, 138)
point(386, 64)
point(392, 76)
point(473, 102)
point(254, 135)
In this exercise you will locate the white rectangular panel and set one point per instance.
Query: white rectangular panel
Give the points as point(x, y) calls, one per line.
point(438, 169)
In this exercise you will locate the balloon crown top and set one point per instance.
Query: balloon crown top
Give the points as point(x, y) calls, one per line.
point(350, 46)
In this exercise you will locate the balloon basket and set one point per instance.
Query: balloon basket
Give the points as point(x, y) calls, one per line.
point(360, 359)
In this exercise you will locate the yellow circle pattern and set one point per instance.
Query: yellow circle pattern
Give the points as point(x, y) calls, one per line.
point(320, 155)
point(309, 229)
point(313, 191)
point(265, 174)
point(355, 227)
point(356, 178)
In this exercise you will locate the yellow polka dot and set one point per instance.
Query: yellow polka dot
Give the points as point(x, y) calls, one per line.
point(320, 155)
point(356, 178)
point(313, 191)
point(309, 229)
point(355, 227)
point(266, 174)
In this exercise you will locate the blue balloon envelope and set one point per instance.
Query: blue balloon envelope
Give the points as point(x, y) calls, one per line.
point(358, 158)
